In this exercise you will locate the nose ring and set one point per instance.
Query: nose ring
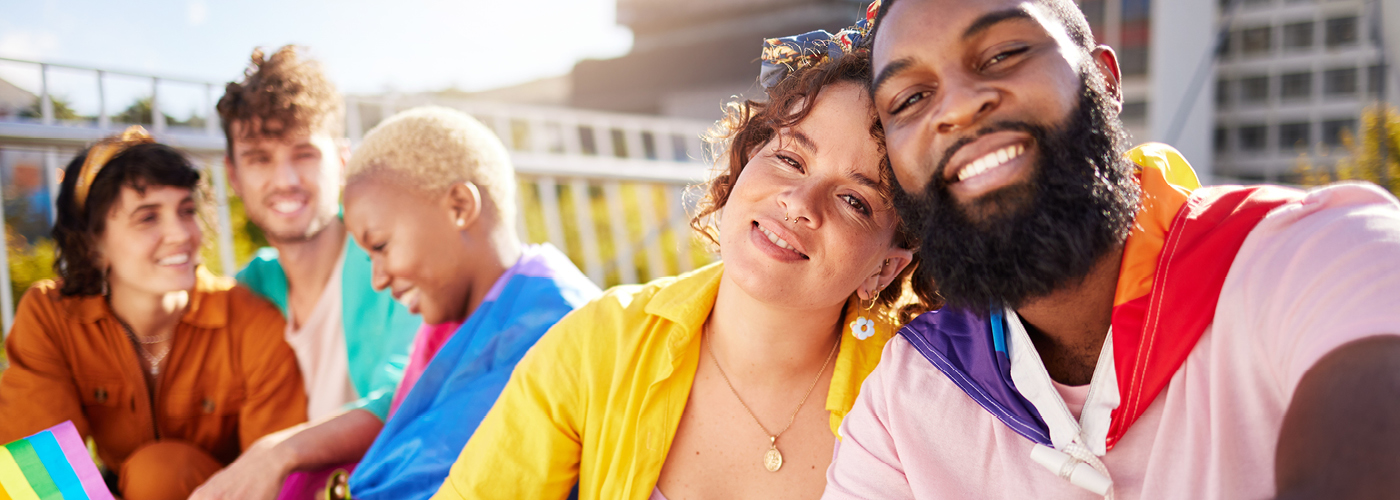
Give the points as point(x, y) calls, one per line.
point(785, 217)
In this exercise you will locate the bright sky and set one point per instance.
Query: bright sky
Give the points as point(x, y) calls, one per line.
point(366, 45)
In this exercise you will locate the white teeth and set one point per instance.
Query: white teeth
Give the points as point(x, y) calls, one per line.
point(287, 207)
point(775, 239)
point(991, 160)
point(174, 260)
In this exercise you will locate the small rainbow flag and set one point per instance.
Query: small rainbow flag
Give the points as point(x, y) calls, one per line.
point(51, 465)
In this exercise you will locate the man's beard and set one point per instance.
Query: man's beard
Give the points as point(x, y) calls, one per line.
point(1027, 240)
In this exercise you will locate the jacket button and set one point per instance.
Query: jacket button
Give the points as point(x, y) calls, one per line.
point(207, 405)
point(100, 395)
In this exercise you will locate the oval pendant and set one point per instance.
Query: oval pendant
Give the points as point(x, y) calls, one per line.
point(773, 460)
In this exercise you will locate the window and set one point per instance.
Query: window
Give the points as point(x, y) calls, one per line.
point(1334, 130)
point(1254, 137)
point(1296, 86)
point(1375, 79)
point(1298, 36)
point(1136, 10)
point(1093, 12)
point(1342, 31)
point(1133, 60)
point(1134, 111)
point(1255, 41)
point(1294, 135)
point(1254, 89)
point(1222, 92)
point(1340, 81)
point(1222, 139)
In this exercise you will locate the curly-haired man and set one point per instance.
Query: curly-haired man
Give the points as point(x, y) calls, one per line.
point(286, 158)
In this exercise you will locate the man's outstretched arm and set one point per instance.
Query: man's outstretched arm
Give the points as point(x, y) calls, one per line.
point(1341, 434)
point(258, 473)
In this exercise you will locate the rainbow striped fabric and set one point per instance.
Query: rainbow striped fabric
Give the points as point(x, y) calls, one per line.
point(51, 465)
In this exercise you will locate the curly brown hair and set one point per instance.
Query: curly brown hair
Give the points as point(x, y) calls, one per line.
point(748, 125)
point(76, 231)
point(279, 94)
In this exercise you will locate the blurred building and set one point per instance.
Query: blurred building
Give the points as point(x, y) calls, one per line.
point(689, 57)
point(1294, 77)
point(1291, 76)
point(14, 100)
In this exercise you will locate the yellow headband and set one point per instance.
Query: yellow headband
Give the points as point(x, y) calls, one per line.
point(101, 153)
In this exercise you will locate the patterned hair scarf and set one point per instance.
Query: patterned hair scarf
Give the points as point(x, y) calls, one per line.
point(103, 152)
point(782, 56)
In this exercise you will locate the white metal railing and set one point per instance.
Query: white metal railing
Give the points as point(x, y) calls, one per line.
point(581, 173)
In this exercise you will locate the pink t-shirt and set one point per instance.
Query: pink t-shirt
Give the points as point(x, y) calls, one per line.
point(1311, 277)
point(426, 344)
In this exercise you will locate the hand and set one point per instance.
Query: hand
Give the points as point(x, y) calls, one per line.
point(1339, 438)
point(257, 474)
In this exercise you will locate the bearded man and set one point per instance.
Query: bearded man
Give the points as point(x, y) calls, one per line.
point(1113, 328)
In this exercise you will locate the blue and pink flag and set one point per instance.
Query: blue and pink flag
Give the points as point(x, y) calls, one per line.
point(51, 465)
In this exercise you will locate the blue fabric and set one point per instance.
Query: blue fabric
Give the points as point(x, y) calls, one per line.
point(414, 452)
point(964, 345)
point(378, 330)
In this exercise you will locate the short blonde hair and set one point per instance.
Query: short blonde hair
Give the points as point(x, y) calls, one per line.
point(432, 148)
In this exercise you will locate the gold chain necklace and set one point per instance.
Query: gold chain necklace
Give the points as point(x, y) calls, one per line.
point(772, 459)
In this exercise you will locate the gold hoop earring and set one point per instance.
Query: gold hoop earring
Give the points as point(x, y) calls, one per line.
point(873, 300)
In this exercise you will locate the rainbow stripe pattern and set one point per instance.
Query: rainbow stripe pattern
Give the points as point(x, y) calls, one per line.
point(51, 465)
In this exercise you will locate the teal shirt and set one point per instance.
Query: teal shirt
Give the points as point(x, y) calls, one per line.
point(378, 330)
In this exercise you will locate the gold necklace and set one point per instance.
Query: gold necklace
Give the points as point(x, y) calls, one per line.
point(152, 361)
point(772, 459)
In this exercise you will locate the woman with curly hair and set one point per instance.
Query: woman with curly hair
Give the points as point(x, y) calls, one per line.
point(170, 370)
point(698, 386)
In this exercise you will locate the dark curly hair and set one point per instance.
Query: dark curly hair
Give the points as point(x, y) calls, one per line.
point(279, 94)
point(76, 231)
point(749, 125)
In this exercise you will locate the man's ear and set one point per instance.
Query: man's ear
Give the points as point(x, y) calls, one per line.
point(1107, 62)
point(464, 204)
point(231, 174)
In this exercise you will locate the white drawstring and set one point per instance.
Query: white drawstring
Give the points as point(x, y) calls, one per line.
point(1076, 464)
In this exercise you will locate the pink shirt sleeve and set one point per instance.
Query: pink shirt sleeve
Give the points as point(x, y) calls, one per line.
point(1313, 277)
point(865, 463)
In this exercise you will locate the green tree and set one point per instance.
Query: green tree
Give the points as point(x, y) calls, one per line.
point(28, 263)
point(139, 112)
point(1372, 153)
point(62, 109)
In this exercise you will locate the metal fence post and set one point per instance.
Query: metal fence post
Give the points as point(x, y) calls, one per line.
point(45, 101)
point(103, 120)
point(7, 300)
point(157, 118)
point(224, 222)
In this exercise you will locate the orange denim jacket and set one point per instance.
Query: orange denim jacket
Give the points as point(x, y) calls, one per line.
point(229, 379)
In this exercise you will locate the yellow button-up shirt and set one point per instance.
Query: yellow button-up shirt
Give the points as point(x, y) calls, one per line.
point(597, 401)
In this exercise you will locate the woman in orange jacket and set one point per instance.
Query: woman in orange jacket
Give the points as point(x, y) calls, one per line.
point(171, 371)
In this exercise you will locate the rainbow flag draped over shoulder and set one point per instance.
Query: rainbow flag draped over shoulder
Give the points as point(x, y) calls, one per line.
point(1175, 260)
point(53, 464)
